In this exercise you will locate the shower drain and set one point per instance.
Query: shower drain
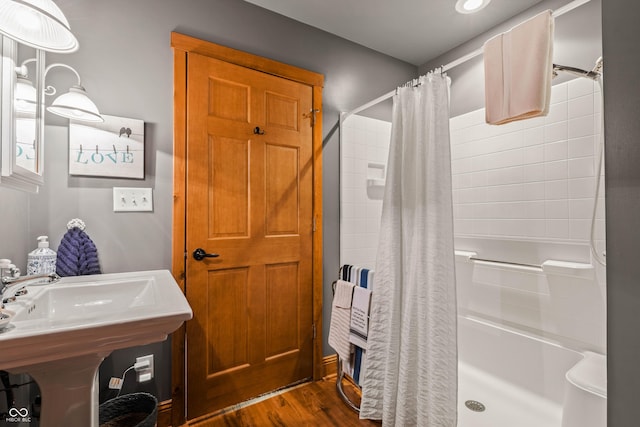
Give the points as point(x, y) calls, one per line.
point(475, 405)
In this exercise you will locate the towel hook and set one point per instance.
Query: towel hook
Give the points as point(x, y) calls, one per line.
point(76, 223)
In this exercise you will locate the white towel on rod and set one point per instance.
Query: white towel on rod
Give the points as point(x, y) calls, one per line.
point(340, 319)
point(518, 68)
point(359, 326)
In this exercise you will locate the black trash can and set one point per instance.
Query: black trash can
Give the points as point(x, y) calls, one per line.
point(130, 410)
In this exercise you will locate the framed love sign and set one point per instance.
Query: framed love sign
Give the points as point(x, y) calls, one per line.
point(112, 149)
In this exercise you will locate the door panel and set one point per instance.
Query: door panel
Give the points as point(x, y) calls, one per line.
point(282, 190)
point(249, 199)
point(229, 188)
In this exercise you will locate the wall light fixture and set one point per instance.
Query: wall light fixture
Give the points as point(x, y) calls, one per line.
point(75, 104)
point(37, 23)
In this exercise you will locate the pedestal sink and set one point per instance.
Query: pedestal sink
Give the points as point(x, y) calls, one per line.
point(61, 333)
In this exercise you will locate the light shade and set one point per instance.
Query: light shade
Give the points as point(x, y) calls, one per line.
point(37, 23)
point(25, 96)
point(471, 6)
point(76, 105)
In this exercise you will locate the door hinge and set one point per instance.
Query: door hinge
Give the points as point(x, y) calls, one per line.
point(314, 224)
point(185, 255)
point(314, 330)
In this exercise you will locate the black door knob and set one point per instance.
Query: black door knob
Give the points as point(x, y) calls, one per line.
point(200, 254)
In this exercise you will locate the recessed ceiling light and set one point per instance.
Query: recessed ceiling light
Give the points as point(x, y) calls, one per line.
point(471, 6)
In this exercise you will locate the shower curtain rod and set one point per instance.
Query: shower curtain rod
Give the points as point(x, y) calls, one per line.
point(558, 12)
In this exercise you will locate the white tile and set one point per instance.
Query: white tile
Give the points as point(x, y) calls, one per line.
point(505, 142)
point(512, 175)
point(579, 229)
point(533, 173)
point(557, 228)
point(558, 93)
point(580, 87)
point(555, 151)
point(597, 101)
point(581, 147)
point(556, 209)
point(582, 106)
point(580, 208)
point(465, 180)
point(505, 159)
point(533, 154)
point(533, 191)
point(455, 181)
point(456, 195)
point(532, 210)
point(352, 180)
point(371, 225)
point(534, 228)
point(463, 226)
point(555, 190)
point(472, 195)
point(597, 124)
point(535, 122)
point(557, 113)
point(354, 195)
point(581, 167)
point(580, 188)
point(555, 132)
point(555, 170)
point(465, 211)
point(533, 136)
point(481, 227)
point(479, 179)
point(504, 193)
point(483, 210)
point(581, 126)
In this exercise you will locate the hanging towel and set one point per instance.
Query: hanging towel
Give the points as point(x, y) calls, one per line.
point(340, 315)
point(77, 254)
point(518, 68)
point(359, 326)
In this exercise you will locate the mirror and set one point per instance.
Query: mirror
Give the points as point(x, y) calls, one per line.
point(21, 115)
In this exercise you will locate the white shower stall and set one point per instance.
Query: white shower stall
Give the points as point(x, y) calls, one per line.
point(531, 296)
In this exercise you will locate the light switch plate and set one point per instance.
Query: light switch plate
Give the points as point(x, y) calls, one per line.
point(129, 199)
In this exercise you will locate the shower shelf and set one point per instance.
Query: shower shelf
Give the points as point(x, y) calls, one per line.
point(549, 267)
point(375, 182)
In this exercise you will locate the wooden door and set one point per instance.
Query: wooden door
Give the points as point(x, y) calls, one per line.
point(250, 200)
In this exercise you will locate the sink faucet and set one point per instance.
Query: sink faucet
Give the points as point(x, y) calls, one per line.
point(11, 285)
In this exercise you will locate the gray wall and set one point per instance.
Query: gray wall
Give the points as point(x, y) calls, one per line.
point(622, 159)
point(126, 64)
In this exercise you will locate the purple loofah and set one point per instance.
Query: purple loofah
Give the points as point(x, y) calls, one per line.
point(77, 254)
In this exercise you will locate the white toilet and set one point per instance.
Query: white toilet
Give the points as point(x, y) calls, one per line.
point(585, 396)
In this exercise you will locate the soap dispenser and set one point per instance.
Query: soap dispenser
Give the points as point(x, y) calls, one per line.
point(43, 259)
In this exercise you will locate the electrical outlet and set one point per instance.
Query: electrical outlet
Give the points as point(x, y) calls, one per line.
point(129, 199)
point(144, 368)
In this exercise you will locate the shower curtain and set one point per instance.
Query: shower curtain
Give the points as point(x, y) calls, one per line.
point(410, 376)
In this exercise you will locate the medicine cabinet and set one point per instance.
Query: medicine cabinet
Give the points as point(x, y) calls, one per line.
point(21, 116)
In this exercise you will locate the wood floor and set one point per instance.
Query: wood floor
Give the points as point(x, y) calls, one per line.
point(311, 404)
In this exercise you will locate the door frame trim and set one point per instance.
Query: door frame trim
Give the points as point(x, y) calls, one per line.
point(182, 46)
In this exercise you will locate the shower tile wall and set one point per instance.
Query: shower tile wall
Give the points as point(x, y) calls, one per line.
point(531, 179)
point(522, 190)
point(365, 147)
point(526, 190)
